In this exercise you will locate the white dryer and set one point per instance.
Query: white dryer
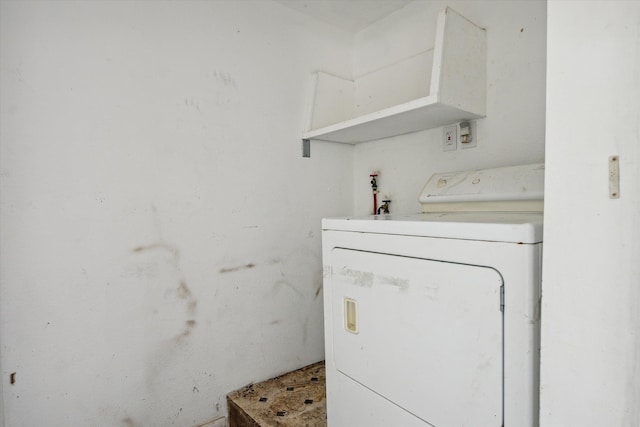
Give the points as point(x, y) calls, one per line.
point(433, 319)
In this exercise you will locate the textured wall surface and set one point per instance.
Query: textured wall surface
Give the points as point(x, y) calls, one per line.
point(160, 229)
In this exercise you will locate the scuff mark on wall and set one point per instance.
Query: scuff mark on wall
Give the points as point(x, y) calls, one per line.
point(318, 281)
point(238, 268)
point(284, 281)
point(150, 270)
point(184, 293)
point(183, 290)
point(287, 284)
point(192, 305)
point(156, 257)
point(225, 78)
point(191, 102)
point(158, 245)
point(225, 89)
point(189, 325)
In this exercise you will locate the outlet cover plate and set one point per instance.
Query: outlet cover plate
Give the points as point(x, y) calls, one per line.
point(449, 138)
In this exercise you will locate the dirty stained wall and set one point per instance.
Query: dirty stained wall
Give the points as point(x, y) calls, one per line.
point(513, 130)
point(160, 230)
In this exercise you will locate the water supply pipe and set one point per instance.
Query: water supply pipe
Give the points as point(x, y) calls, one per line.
point(374, 189)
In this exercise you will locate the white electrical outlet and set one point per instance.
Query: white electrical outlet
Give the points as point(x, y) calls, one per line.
point(449, 138)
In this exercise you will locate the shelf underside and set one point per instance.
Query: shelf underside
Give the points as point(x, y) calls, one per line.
point(420, 114)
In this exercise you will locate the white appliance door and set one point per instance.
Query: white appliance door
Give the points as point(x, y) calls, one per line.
point(424, 334)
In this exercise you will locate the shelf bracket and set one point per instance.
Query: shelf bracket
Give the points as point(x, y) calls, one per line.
point(306, 148)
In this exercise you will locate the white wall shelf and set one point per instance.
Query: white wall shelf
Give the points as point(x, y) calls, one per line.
point(457, 91)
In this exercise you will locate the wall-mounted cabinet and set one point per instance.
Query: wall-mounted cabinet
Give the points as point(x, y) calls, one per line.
point(398, 98)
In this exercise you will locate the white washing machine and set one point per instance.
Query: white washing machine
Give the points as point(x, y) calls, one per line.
point(433, 319)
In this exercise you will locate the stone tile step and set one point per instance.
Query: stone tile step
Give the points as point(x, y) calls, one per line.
point(295, 399)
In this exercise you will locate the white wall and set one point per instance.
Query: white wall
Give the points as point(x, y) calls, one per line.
point(160, 230)
point(591, 274)
point(513, 131)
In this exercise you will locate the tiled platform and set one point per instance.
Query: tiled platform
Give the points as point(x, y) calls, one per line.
point(295, 399)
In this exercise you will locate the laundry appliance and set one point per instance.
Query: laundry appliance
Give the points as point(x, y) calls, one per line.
point(433, 319)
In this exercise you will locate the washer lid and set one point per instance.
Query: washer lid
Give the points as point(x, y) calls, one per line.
point(513, 227)
point(513, 188)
